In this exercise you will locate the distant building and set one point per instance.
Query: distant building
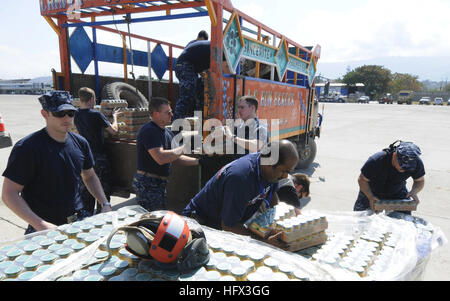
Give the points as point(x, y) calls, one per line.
point(23, 86)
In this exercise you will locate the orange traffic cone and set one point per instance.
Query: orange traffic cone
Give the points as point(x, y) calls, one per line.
point(5, 138)
point(2, 125)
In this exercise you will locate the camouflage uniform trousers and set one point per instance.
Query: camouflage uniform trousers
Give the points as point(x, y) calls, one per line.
point(103, 170)
point(150, 192)
point(188, 80)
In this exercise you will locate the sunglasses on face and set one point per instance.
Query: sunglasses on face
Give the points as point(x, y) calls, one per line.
point(61, 114)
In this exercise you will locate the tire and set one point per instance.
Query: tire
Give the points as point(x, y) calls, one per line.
point(306, 154)
point(132, 95)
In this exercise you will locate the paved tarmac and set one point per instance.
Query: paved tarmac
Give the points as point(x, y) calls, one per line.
point(350, 134)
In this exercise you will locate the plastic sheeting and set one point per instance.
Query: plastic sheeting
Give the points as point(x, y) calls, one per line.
point(409, 240)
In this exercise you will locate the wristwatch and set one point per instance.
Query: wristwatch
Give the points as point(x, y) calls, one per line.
point(106, 204)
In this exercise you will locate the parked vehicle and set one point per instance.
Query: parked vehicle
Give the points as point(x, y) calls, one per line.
point(333, 98)
point(439, 101)
point(425, 100)
point(405, 96)
point(363, 99)
point(386, 99)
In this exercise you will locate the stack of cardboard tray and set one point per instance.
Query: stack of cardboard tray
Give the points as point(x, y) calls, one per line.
point(396, 205)
point(299, 232)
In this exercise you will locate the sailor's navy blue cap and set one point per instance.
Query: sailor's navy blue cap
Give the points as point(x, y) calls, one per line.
point(407, 154)
point(55, 101)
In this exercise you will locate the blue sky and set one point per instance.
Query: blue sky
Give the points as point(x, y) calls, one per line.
point(347, 30)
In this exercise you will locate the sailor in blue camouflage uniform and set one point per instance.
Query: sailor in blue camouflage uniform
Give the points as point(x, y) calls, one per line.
point(91, 124)
point(384, 175)
point(194, 59)
point(155, 156)
point(46, 167)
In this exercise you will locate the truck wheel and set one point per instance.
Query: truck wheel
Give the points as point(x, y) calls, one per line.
point(306, 153)
point(119, 90)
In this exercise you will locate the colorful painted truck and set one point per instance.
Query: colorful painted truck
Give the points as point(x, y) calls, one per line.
point(261, 62)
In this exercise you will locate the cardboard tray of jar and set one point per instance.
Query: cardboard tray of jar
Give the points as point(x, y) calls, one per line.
point(305, 229)
point(396, 205)
point(307, 242)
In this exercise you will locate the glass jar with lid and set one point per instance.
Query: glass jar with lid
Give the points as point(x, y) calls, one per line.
point(271, 263)
point(30, 248)
point(38, 238)
point(108, 271)
point(219, 256)
point(143, 277)
point(229, 249)
point(86, 227)
point(60, 238)
point(80, 275)
point(248, 265)
point(13, 271)
point(278, 276)
point(215, 246)
point(26, 276)
point(211, 264)
point(265, 272)
point(48, 258)
point(69, 242)
point(14, 253)
point(32, 264)
point(4, 265)
point(242, 253)
point(257, 258)
point(212, 276)
point(129, 274)
point(90, 239)
point(82, 236)
point(42, 268)
point(287, 269)
point(239, 273)
point(224, 268)
point(255, 277)
point(94, 278)
point(72, 232)
point(55, 247)
point(300, 275)
point(78, 246)
point(233, 261)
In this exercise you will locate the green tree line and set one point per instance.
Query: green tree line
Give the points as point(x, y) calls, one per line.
point(379, 80)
